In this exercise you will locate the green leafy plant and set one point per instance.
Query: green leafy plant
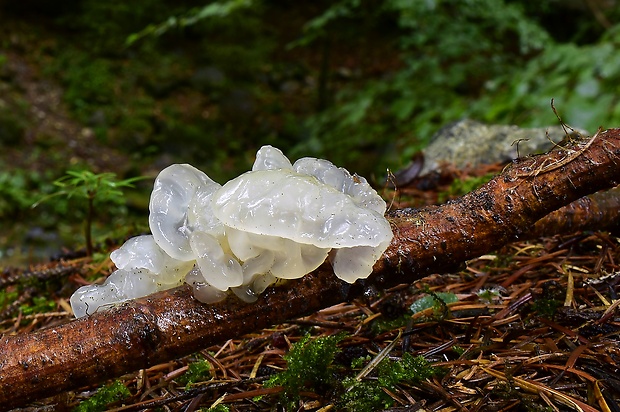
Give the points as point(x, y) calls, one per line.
point(93, 188)
point(437, 301)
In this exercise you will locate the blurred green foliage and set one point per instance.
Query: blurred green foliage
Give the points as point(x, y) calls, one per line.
point(198, 14)
point(486, 59)
point(20, 189)
point(376, 79)
point(583, 80)
point(13, 121)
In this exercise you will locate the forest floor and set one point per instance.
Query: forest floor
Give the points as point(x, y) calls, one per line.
point(533, 326)
point(50, 126)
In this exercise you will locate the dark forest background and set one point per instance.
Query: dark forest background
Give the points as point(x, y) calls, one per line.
point(131, 87)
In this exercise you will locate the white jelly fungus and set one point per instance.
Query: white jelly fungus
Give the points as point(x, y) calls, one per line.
point(180, 204)
point(277, 221)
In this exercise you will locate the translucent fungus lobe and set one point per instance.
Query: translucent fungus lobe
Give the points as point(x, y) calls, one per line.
point(313, 204)
point(277, 221)
point(179, 205)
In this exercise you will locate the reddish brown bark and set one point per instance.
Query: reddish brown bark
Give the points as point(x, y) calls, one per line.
point(171, 324)
point(596, 212)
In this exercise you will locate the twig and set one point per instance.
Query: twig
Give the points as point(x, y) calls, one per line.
point(562, 162)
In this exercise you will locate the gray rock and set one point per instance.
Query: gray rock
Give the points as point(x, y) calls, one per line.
point(468, 143)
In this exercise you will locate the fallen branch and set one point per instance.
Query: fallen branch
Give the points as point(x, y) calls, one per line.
point(599, 211)
point(436, 239)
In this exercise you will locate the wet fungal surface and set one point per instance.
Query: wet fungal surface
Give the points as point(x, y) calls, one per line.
point(278, 221)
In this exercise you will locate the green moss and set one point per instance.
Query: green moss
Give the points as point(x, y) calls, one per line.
point(7, 297)
point(198, 371)
point(381, 324)
point(365, 396)
point(113, 392)
point(309, 366)
point(460, 187)
point(368, 395)
point(357, 363)
point(40, 304)
point(547, 302)
point(458, 350)
point(489, 295)
point(546, 307)
point(218, 408)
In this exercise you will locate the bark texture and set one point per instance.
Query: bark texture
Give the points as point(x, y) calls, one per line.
point(171, 324)
point(596, 212)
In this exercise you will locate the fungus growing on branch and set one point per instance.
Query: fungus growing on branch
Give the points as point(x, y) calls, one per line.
point(277, 221)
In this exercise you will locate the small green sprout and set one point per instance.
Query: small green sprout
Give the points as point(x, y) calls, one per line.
point(489, 295)
point(113, 392)
point(94, 188)
point(458, 350)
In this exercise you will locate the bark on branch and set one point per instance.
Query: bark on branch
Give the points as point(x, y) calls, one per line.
point(171, 324)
